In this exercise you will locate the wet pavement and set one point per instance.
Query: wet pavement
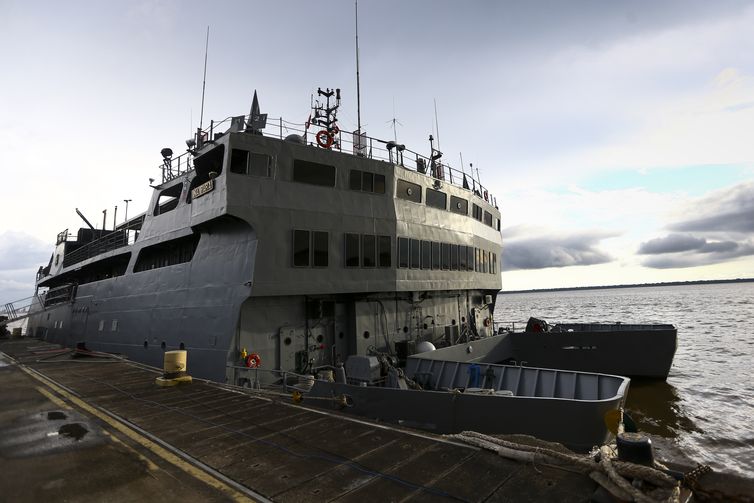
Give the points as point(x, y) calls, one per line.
point(50, 451)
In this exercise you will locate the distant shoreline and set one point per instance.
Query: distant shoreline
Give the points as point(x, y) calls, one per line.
point(636, 285)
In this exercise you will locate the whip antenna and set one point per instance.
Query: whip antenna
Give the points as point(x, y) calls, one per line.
point(204, 80)
point(358, 87)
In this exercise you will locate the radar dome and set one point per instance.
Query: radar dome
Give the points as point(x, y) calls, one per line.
point(295, 138)
point(425, 346)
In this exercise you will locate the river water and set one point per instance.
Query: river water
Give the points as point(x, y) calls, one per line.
point(705, 410)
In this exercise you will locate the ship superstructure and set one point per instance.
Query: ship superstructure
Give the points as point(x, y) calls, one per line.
point(299, 244)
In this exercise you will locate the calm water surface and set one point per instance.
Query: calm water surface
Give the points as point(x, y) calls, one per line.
point(705, 410)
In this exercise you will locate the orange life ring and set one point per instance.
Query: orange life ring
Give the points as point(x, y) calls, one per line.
point(253, 360)
point(324, 139)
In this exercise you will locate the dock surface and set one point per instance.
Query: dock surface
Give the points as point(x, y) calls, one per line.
point(208, 442)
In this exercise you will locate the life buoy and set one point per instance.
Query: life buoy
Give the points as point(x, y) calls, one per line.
point(253, 360)
point(324, 139)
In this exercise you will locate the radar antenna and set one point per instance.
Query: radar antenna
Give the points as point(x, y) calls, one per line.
point(326, 115)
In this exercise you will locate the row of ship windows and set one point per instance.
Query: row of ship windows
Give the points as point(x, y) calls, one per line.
point(311, 249)
point(315, 173)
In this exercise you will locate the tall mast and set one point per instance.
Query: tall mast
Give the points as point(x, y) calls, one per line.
point(358, 87)
point(204, 80)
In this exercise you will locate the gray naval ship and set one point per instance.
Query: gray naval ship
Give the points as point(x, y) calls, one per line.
point(271, 251)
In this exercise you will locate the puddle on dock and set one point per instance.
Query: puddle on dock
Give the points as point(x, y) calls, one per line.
point(75, 431)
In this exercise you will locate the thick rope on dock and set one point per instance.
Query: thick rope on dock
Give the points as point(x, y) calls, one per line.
point(608, 472)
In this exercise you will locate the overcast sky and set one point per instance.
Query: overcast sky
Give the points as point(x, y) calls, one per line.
point(616, 137)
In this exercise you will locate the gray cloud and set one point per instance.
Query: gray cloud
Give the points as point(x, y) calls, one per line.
point(548, 251)
point(671, 244)
point(19, 250)
point(727, 210)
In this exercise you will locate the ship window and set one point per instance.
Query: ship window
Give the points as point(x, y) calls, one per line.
point(493, 264)
point(477, 212)
point(210, 164)
point(415, 254)
point(300, 248)
point(454, 257)
point(477, 261)
point(354, 179)
point(320, 249)
point(498, 224)
point(459, 205)
point(239, 161)
point(408, 191)
point(469, 258)
point(367, 182)
point(445, 252)
point(435, 255)
point(462, 260)
point(436, 199)
point(426, 255)
point(379, 184)
point(168, 199)
point(260, 165)
point(369, 243)
point(488, 218)
point(114, 326)
point(384, 250)
point(101, 325)
point(313, 173)
point(352, 250)
point(403, 252)
point(175, 251)
point(485, 260)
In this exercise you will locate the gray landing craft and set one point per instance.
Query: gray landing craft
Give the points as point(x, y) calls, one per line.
point(305, 250)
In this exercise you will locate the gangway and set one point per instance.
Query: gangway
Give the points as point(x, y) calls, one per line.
point(20, 309)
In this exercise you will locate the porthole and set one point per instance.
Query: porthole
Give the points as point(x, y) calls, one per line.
point(366, 334)
point(458, 205)
point(405, 330)
point(463, 319)
point(341, 335)
point(320, 338)
point(425, 326)
point(409, 191)
point(453, 322)
point(287, 341)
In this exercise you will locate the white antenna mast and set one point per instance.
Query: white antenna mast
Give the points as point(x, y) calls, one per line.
point(358, 86)
point(204, 80)
point(437, 126)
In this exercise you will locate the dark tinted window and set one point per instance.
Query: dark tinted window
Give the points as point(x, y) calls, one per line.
point(301, 248)
point(435, 255)
point(477, 212)
point(369, 250)
point(445, 252)
point(488, 218)
point(436, 199)
point(462, 258)
point(493, 264)
point(459, 205)
point(454, 257)
point(260, 165)
point(167, 253)
point(470, 258)
point(485, 260)
point(320, 247)
point(352, 250)
point(383, 242)
point(354, 179)
point(403, 252)
point(379, 184)
point(426, 255)
point(477, 260)
point(239, 160)
point(415, 254)
point(367, 182)
point(313, 173)
point(409, 191)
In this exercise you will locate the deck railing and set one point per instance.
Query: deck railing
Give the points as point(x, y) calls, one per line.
point(346, 142)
